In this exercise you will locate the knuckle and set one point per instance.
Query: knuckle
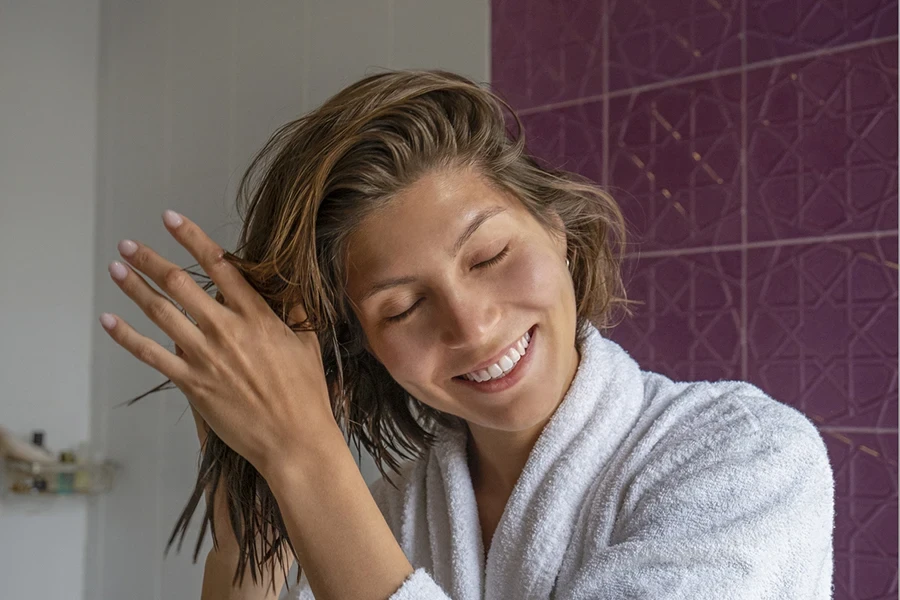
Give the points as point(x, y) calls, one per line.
point(175, 279)
point(144, 353)
point(158, 310)
point(215, 258)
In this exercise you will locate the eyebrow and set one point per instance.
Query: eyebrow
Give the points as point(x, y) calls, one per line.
point(470, 229)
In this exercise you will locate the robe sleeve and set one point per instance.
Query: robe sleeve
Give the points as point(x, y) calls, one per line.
point(418, 586)
point(744, 513)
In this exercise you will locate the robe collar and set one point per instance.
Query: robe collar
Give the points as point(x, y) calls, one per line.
point(599, 409)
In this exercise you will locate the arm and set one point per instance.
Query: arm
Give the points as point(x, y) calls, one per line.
point(345, 547)
point(218, 572)
point(220, 565)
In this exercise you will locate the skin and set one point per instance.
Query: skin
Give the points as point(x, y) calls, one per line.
point(467, 314)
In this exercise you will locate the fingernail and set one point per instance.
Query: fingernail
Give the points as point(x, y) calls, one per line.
point(108, 321)
point(127, 247)
point(118, 271)
point(172, 218)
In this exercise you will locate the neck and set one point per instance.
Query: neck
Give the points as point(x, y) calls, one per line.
point(496, 458)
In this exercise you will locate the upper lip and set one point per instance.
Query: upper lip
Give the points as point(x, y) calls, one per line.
point(496, 358)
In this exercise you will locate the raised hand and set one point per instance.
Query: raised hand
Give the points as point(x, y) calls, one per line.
point(259, 386)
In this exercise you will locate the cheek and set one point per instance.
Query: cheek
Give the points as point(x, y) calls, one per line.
point(402, 359)
point(533, 280)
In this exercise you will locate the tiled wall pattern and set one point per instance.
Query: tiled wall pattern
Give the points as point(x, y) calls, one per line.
point(752, 145)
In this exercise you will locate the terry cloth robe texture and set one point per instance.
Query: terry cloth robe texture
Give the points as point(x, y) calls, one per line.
point(638, 487)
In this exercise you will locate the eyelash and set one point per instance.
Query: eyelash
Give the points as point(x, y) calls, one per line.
point(488, 263)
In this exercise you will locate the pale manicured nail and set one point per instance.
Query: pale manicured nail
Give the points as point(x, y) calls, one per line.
point(108, 321)
point(172, 218)
point(127, 247)
point(118, 271)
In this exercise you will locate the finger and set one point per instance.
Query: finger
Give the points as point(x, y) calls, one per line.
point(144, 349)
point(172, 279)
point(209, 255)
point(158, 308)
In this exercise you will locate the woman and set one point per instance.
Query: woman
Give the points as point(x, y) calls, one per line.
point(407, 269)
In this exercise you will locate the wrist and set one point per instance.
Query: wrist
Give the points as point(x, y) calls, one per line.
point(301, 464)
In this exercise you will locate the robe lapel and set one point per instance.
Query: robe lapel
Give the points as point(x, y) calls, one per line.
point(600, 407)
point(453, 506)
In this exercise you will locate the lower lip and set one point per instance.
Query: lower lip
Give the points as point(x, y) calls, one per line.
point(512, 378)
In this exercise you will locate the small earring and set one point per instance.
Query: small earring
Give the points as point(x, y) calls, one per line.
point(567, 262)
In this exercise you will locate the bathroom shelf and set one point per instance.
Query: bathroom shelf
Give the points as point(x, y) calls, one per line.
point(88, 479)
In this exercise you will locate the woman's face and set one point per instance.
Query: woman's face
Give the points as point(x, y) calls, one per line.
point(454, 311)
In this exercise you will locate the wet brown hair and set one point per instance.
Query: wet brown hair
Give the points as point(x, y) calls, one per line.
point(303, 195)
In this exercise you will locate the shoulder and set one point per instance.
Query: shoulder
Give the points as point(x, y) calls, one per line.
point(724, 492)
point(703, 412)
point(708, 432)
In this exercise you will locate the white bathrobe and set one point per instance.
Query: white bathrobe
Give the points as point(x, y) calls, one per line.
point(639, 487)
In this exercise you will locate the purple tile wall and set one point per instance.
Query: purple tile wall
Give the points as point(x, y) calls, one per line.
point(752, 145)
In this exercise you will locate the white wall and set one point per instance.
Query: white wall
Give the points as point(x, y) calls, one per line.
point(48, 140)
point(188, 91)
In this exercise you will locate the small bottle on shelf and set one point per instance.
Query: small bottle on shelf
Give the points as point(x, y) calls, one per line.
point(83, 474)
point(65, 481)
point(39, 484)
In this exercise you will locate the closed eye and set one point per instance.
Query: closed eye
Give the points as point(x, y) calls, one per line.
point(495, 260)
point(483, 265)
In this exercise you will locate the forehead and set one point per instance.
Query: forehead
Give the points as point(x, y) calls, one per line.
point(418, 224)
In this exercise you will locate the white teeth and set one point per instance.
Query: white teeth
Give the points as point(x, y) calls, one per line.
point(505, 364)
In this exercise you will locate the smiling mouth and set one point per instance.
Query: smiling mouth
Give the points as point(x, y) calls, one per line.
point(530, 331)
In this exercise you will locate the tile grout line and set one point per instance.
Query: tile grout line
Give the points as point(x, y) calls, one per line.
point(773, 62)
point(841, 434)
point(826, 239)
point(604, 84)
point(866, 430)
point(489, 55)
point(745, 369)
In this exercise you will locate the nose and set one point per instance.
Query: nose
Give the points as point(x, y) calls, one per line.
point(469, 319)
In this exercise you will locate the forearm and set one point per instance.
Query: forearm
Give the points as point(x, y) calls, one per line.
point(342, 541)
point(221, 564)
point(218, 574)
